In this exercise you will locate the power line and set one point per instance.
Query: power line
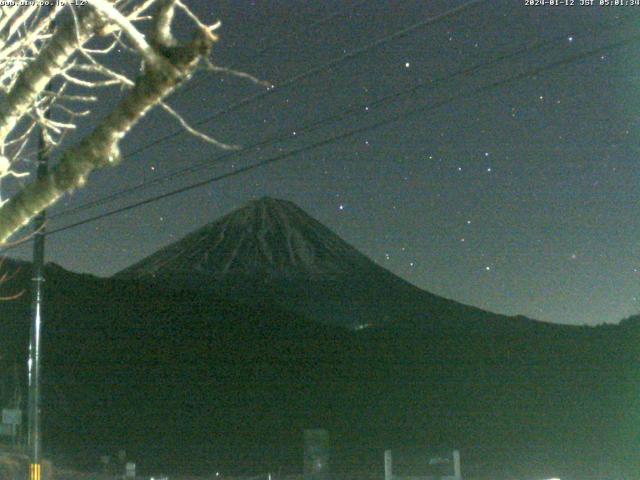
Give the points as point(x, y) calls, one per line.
point(282, 38)
point(351, 133)
point(270, 43)
point(318, 124)
point(326, 66)
point(286, 135)
point(314, 71)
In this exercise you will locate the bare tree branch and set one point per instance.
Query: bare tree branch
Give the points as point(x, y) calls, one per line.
point(34, 78)
point(196, 133)
point(101, 148)
point(62, 70)
point(150, 56)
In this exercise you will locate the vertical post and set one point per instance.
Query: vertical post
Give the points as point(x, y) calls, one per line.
point(316, 454)
point(388, 465)
point(37, 292)
point(130, 471)
point(456, 464)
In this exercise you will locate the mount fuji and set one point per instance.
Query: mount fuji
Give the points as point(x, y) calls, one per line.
point(270, 249)
point(218, 350)
point(268, 237)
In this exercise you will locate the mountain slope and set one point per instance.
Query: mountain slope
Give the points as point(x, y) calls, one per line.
point(157, 371)
point(191, 381)
point(267, 237)
point(215, 352)
point(271, 249)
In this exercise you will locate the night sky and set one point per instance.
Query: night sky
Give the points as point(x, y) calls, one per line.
point(519, 199)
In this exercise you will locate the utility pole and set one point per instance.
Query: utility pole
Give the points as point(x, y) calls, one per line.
point(37, 292)
point(34, 435)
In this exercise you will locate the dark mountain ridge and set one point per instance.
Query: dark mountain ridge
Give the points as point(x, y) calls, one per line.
point(272, 249)
point(195, 380)
point(267, 237)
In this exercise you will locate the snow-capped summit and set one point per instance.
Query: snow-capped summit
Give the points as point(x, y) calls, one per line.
point(266, 237)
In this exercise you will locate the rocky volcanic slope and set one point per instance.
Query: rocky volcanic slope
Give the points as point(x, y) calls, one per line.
point(268, 237)
point(226, 377)
point(271, 249)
